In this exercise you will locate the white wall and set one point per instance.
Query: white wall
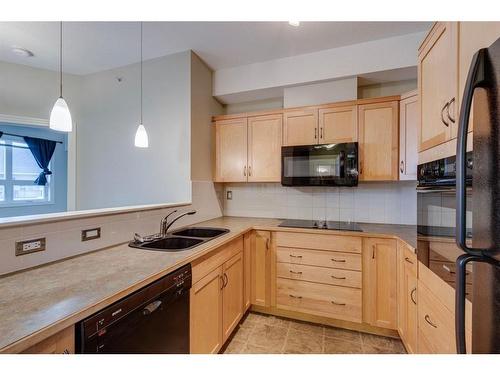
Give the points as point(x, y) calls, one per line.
point(321, 93)
point(32, 92)
point(253, 106)
point(348, 61)
point(111, 171)
point(384, 202)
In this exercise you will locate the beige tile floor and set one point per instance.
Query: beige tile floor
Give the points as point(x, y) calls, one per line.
point(265, 334)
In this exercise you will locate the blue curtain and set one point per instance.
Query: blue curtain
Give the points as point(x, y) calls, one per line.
point(42, 150)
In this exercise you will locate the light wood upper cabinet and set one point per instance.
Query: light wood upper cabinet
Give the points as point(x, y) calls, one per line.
point(264, 148)
point(231, 150)
point(261, 268)
point(232, 298)
point(300, 127)
point(380, 282)
point(407, 297)
point(206, 314)
point(472, 37)
point(437, 85)
point(378, 141)
point(338, 124)
point(408, 130)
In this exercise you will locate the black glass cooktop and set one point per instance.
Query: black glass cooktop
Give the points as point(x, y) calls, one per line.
point(316, 224)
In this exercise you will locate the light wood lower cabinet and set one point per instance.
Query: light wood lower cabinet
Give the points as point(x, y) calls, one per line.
point(216, 299)
point(380, 282)
point(261, 268)
point(232, 294)
point(407, 297)
point(62, 342)
point(206, 314)
point(247, 272)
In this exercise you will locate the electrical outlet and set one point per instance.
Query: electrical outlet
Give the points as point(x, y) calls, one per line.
point(30, 246)
point(91, 234)
point(229, 195)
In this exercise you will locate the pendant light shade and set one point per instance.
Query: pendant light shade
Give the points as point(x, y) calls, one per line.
point(141, 135)
point(60, 117)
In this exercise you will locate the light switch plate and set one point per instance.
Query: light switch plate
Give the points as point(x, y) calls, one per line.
point(229, 195)
point(30, 246)
point(91, 234)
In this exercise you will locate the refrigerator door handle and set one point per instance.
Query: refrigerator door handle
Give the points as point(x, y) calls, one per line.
point(460, 279)
point(475, 78)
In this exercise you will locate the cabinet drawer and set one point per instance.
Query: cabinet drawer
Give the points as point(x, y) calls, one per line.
point(332, 301)
point(319, 274)
point(435, 323)
point(203, 266)
point(319, 258)
point(319, 241)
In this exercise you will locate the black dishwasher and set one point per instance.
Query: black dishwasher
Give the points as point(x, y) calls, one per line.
point(153, 320)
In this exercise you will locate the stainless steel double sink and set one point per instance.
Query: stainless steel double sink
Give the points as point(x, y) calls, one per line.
point(183, 239)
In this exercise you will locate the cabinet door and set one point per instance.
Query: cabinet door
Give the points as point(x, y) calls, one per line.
point(232, 294)
point(380, 282)
point(261, 268)
point(378, 141)
point(247, 270)
point(206, 314)
point(62, 342)
point(407, 298)
point(472, 37)
point(300, 127)
point(264, 148)
point(437, 81)
point(408, 133)
point(338, 124)
point(231, 150)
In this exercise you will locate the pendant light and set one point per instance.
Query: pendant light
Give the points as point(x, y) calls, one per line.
point(60, 117)
point(141, 136)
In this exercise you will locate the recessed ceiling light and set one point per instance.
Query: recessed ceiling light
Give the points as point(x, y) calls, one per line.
point(23, 52)
point(294, 23)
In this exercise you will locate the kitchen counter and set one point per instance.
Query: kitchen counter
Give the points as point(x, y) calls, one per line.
point(38, 303)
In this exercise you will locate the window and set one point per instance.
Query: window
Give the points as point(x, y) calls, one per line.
point(18, 171)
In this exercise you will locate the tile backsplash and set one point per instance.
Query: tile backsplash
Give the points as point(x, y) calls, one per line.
point(64, 236)
point(373, 202)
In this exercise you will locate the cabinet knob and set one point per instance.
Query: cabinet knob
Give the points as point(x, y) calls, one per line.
point(245, 171)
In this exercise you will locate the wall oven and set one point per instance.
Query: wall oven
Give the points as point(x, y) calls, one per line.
point(334, 164)
point(436, 216)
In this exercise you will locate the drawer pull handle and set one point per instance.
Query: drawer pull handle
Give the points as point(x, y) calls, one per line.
point(338, 278)
point(298, 297)
point(295, 256)
point(296, 272)
point(428, 320)
point(408, 260)
point(338, 304)
point(267, 243)
point(373, 252)
point(412, 295)
point(338, 260)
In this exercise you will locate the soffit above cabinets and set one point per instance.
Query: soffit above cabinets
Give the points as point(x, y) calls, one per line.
point(97, 46)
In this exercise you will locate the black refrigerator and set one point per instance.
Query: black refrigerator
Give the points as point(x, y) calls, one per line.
point(483, 91)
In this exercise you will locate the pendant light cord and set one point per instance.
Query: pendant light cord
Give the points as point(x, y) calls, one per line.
point(141, 73)
point(60, 60)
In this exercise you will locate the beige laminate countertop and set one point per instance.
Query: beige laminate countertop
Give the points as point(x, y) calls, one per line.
point(37, 303)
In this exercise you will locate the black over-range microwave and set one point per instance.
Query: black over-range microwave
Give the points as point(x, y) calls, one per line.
point(334, 164)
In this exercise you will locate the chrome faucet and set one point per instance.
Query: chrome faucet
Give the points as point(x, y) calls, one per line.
point(165, 224)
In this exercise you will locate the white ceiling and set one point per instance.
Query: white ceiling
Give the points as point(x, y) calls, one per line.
point(95, 46)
